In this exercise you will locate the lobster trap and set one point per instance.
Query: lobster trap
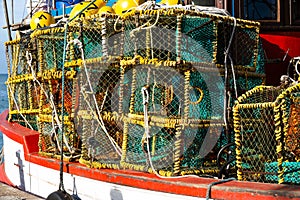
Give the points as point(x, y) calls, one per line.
point(55, 116)
point(267, 136)
point(22, 94)
point(152, 87)
point(35, 88)
point(170, 115)
point(98, 118)
point(185, 35)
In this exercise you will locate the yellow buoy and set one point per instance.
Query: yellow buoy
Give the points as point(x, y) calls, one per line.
point(106, 9)
point(90, 10)
point(123, 6)
point(169, 2)
point(100, 3)
point(41, 19)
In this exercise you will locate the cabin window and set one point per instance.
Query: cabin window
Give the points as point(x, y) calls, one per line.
point(295, 11)
point(261, 10)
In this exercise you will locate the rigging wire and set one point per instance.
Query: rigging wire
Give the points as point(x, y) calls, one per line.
point(226, 54)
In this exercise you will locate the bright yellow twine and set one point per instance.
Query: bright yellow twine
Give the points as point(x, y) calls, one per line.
point(38, 32)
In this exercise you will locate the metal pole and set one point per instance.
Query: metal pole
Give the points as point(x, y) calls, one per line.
point(53, 4)
point(290, 12)
point(7, 19)
point(232, 7)
point(30, 7)
point(12, 12)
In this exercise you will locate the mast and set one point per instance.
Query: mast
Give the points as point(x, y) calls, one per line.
point(12, 12)
point(53, 4)
point(7, 19)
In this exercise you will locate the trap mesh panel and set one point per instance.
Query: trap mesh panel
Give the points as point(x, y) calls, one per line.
point(18, 49)
point(50, 137)
point(98, 120)
point(244, 46)
point(22, 91)
point(50, 49)
point(181, 116)
point(155, 42)
point(169, 37)
point(265, 121)
point(288, 139)
point(292, 135)
point(50, 46)
point(198, 39)
point(50, 118)
point(195, 37)
point(100, 36)
point(255, 133)
point(165, 88)
point(51, 96)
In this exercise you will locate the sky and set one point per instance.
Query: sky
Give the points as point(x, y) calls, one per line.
point(19, 12)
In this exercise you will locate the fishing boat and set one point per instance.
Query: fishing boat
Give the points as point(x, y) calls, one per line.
point(153, 100)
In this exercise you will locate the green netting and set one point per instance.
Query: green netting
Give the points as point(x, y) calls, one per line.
point(199, 40)
point(99, 36)
point(98, 123)
point(290, 175)
point(161, 146)
point(51, 49)
point(266, 129)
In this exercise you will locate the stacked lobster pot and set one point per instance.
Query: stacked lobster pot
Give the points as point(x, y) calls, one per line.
point(35, 90)
point(152, 87)
point(96, 46)
point(266, 123)
point(147, 91)
point(23, 97)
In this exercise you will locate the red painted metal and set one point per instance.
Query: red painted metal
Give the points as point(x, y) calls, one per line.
point(20, 134)
point(190, 186)
point(3, 177)
point(276, 45)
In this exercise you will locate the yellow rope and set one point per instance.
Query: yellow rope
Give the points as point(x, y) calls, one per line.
point(175, 12)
